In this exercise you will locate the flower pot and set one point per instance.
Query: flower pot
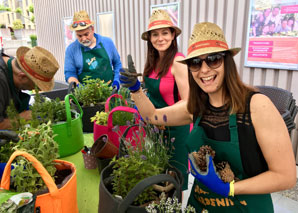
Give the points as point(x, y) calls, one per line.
point(89, 161)
point(108, 203)
point(103, 148)
point(102, 163)
point(88, 112)
point(69, 134)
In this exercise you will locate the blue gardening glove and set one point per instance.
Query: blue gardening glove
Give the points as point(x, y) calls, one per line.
point(116, 85)
point(129, 76)
point(210, 178)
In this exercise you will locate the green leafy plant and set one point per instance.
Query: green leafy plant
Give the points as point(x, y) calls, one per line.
point(92, 91)
point(40, 143)
point(17, 24)
point(148, 158)
point(100, 118)
point(168, 205)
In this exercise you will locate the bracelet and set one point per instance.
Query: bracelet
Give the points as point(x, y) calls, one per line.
point(231, 193)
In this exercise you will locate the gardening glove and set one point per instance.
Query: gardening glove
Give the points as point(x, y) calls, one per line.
point(210, 178)
point(115, 86)
point(129, 76)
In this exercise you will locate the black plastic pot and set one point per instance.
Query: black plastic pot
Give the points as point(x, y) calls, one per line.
point(110, 204)
point(88, 112)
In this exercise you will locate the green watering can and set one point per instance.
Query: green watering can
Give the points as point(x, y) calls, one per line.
point(69, 134)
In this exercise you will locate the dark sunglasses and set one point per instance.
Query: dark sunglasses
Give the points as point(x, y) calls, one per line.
point(213, 61)
point(82, 24)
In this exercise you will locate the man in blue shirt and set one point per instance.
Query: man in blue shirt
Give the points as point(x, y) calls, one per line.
point(91, 54)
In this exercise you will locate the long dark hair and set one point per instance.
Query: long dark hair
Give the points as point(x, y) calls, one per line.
point(235, 91)
point(153, 57)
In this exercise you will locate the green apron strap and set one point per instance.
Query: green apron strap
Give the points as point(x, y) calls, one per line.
point(233, 128)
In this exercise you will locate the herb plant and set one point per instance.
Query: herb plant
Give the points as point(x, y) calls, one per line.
point(38, 142)
point(148, 158)
point(92, 91)
point(100, 118)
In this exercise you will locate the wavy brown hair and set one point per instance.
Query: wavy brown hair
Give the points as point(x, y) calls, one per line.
point(235, 91)
point(153, 57)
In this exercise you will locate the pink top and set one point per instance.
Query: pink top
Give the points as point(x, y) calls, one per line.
point(166, 87)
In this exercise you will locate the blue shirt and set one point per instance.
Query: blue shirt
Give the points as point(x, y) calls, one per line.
point(73, 65)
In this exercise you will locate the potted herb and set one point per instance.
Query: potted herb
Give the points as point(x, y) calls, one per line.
point(66, 122)
point(17, 27)
point(139, 176)
point(91, 95)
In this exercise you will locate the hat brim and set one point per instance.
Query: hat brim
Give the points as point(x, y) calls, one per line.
point(209, 50)
point(79, 27)
point(145, 35)
point(44, 86)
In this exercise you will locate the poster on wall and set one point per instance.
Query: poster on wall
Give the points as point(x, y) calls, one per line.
point(171, 8)
point(69, 36)
point(105, 24)
point(272, 34)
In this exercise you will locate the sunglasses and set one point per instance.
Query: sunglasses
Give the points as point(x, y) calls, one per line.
point(82, 24)
point(213, 61)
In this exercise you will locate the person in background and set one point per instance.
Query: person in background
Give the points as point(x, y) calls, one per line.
point(91, 54)
point(291, 22)
point(242, 126)
point(166, 80)
point(271, 28)
point(283, 28)
point(31, 67)
point(274, 16)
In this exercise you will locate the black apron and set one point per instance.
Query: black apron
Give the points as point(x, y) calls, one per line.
point(96, 64)
point(202, 198)
point(179, 157)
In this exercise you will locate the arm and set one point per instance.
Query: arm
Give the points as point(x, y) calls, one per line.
point(180, 73)
point(275, 143)
point(70, 70)
point(176, 114)
point(6, 124)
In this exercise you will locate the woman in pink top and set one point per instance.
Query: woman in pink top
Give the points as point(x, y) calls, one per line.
point(166, 80)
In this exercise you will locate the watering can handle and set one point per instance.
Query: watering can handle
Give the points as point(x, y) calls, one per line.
point(139, 188)
point(68, 113)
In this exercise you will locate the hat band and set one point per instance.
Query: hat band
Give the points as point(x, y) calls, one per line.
point(160, 22)
point(77, 22)
point(205, 44)
point(31, 72)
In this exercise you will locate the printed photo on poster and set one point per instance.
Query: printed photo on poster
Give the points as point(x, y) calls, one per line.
point(272, 34)
point(171, 8)
point(69, 36)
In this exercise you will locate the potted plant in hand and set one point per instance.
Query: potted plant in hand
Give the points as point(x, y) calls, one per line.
point(140, 174)
point(92, 95)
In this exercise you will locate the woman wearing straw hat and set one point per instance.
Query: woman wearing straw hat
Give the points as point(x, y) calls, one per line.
point(166, 80)
point(31, 67)
point(240, 124)
point(91, 54)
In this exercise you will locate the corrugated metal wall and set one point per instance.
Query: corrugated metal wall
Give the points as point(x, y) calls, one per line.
point(131, 18)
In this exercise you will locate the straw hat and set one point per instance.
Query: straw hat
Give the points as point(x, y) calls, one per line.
point(207, 38)
point(160, 19)
point(81, 18)
point(39, 65)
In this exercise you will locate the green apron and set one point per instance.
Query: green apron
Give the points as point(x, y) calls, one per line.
point(202, 198)
point(179, 157)
point(21, 98)
point(96, 64)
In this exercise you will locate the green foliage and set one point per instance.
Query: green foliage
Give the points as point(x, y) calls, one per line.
point(44, 110)
point(19, 10)
point(17, 24)
point(100, 118)
point(31, 8)
point(38, 142)
point(148, 158)
point(3, 26)
point(4, 8)
point(32, 19)
point(6, 151)
point(92, 91)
